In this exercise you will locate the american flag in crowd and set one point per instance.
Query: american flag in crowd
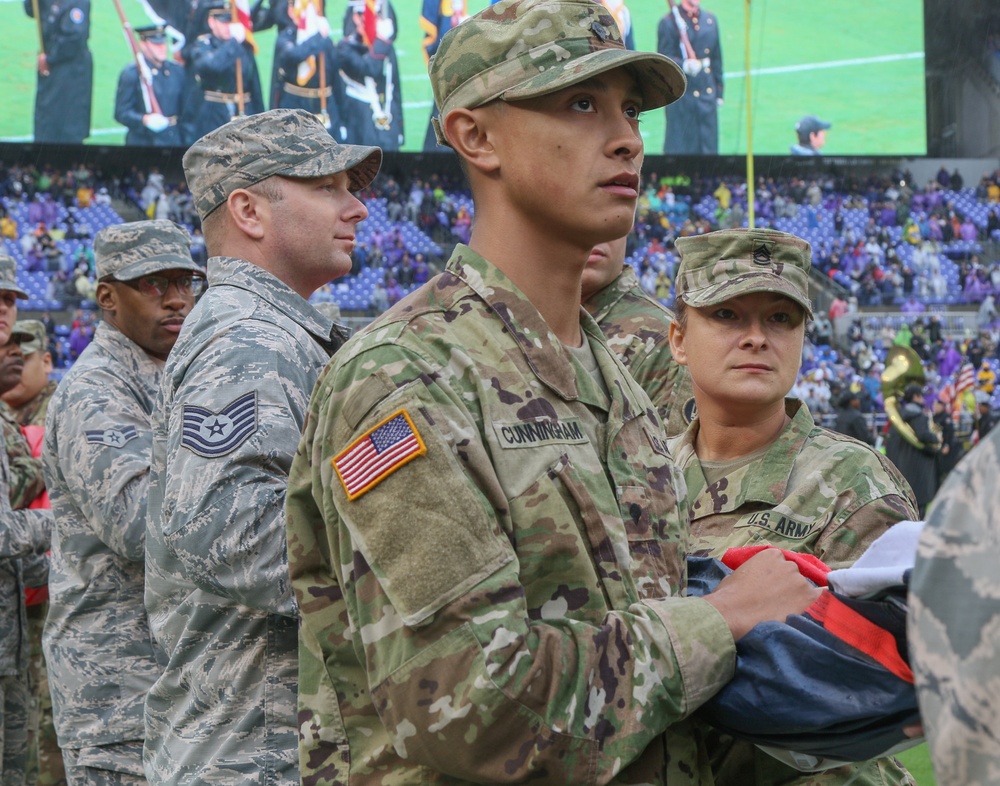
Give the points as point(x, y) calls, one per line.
point(377, 454)
point(965, 380)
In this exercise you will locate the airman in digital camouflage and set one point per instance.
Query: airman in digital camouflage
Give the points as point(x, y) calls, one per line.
point(24, 537)
point(276, 198)
point(97, 450)
point(486, 538)
point(637, 328)
point(758, 469)
point(954, 621)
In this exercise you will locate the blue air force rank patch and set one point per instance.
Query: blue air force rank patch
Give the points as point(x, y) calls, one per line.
point(112, 437)
point(213, 434)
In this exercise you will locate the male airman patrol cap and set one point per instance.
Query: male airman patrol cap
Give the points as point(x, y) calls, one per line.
point(286, 142)
point(8, 277)
point(721, 265)
point(140, 248)
point(31, 335)
point(518, 49)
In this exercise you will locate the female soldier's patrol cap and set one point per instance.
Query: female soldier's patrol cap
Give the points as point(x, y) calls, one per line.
point(721, 265)
point(518, 49)
point(8, 277)
point(129, 251)
point(286, 142)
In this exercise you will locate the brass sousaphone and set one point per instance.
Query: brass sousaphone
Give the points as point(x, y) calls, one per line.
point(902, 366)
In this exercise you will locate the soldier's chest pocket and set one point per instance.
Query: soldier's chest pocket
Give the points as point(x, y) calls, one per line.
point(654, 546)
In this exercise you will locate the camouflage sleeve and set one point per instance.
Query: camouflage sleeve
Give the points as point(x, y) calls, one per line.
point(22, 532)
point(26, 478)
point(102, 441)
point(35, 570)
point(224, 500)
point(954, 622)
point(422, 574)
point(842, 546)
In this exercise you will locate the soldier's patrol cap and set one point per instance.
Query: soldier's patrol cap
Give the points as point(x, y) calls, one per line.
point(140, 248)
point(721, 265)
point(31, 335)
point(155, 34)
point(286, 142)
point(518, 49)
point(8, 277)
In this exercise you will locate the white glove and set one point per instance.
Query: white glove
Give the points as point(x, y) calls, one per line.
point(385, 29)
point(692, 66)
point(155, 122)
point(238, 31)
point(719, 101)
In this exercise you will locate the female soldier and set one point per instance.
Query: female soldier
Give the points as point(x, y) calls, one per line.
point(758, 469)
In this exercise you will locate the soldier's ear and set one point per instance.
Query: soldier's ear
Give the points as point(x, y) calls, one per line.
point(677, 343)
point(245, 209)
point(470, 132)
point(106, 296)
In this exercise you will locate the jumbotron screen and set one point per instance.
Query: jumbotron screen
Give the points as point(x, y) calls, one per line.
point(853, 70)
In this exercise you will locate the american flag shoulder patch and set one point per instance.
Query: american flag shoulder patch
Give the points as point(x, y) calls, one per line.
point(377, 453)
point(112, 437)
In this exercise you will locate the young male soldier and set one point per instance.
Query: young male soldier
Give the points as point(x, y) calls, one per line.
point(637, 328)
point(478, 605)
point(23, 534)
point(276, 198)
point(97, 454)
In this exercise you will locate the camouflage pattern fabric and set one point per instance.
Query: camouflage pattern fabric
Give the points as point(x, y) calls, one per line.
point(637, 328)
point(32, 413)
point(499, 599)
point(8, 277)
point(954, 622)
point(106, 765)
point(816, 492)
point(25, 534)
point(285, 142)
point(45, 760)
point(14, 701)
point(140, 248)
point(26, 478)
point(229, 417)
point(97, 453)
point(518, 49)
point(728, 263)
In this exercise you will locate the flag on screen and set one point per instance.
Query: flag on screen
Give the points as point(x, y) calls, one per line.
point(242, 8)
point(378, 453)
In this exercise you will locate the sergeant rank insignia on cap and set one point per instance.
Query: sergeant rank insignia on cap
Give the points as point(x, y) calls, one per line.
point(213, 434)
point(377, 453)
point(112, 437)
point(761, 254)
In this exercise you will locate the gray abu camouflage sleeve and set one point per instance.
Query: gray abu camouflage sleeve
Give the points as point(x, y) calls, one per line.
point(472, 614)
point(954, 623)
point(101, 442)
point(223, 514)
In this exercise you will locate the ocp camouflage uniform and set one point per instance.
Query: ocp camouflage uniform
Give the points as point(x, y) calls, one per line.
point(954, 622)
point(226, 425)
point(812, 491)
point(637, 328)
point(23, 534)
point(501, 603)
point(97, 641)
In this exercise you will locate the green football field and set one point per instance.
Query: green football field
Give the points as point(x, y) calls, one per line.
point(854, 63)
